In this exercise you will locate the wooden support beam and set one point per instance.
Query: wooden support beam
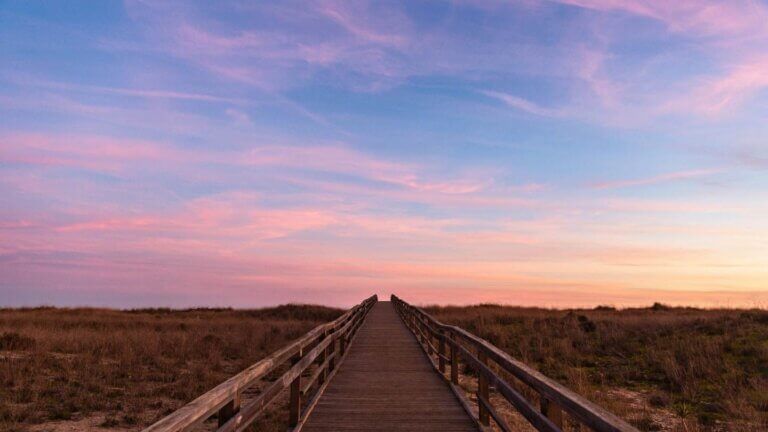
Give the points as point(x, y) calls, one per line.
point(551, 411)
point(321, 361)
point(294, 399)
point(229, 409)
point(482, 390)
point(441, 351)
point(454, 361)
point(331, 352)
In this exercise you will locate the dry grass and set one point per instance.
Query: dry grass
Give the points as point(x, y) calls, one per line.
point(663, 368)
point(126, 369)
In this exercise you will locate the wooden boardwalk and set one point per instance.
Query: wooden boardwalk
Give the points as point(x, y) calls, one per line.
point(387, 383)
point(367, 371)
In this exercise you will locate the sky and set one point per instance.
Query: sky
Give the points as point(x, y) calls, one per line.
point(242, 153)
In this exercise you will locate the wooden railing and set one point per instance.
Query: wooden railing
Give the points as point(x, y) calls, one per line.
point(325, 345)
point(496, 370)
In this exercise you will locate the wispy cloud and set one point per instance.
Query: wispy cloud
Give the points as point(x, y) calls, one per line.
point(732, 34)
point(707, 18)
point(715, 95)
point(133, 92)
point(523, 104)
point(118, 155)
point(657, 179)
point(358, 20)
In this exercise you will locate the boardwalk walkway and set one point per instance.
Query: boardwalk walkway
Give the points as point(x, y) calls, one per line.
point(365, 371)
point(386, 383)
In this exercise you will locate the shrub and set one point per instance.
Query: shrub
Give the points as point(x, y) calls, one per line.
point(13, 341)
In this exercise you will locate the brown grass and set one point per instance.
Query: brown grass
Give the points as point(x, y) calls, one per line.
point(662, 368)
point(126, 369)
point(676, 369)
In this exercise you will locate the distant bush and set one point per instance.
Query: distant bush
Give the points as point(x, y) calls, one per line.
point(12, 341)
point(585, 324)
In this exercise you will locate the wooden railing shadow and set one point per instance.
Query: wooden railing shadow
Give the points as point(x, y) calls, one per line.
point(447, 344)
point(325, 345)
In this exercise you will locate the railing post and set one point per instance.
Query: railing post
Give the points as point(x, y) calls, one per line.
point(294, 402)
point(229, 410)
point(321, 359)
point(441, 352)
point(454, 360)
point(482, 389)
point(551, 410)
point(331, 349)
point(428, 333)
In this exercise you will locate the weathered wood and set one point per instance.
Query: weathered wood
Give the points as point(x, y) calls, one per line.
point(229, 410)
point(322, 371)
point(294, 399)
point(537, 419)
point(502, 424)
point(223, 397)
point(253, 408)
point(579, 408)
point(482, 390)
point(551, 411)
point(331, 353)
point(323, 365)
point(454, 361)
point(387, 383)
point(441, 352)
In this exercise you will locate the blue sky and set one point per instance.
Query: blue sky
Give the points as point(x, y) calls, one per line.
point(555, 153)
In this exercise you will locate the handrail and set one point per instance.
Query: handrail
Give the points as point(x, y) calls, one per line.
point(554, 398)
point(317, 346)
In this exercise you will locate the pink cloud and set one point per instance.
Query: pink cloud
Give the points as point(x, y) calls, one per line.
point(231, 241)
point(501, 198)
point(716, 95)
point(134, 92)
point(732, 33)
point(662, 178)
point(111, 154)
point(357, 20)
point(231, 215)
point(708, 18)
point(98, 153)
point(353, 39)
point(668, 206)
point(371, 47)
point(523, 104)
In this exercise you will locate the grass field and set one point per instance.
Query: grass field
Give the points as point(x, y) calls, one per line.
point(123, 370)
point(676, 369)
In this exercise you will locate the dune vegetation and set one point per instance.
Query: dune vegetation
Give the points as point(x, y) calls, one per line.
point(663, 368)
point(95, 369)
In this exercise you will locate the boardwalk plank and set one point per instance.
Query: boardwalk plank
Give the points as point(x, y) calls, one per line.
point(386, 383)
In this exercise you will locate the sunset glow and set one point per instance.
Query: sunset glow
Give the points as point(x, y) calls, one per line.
point(533, 152)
